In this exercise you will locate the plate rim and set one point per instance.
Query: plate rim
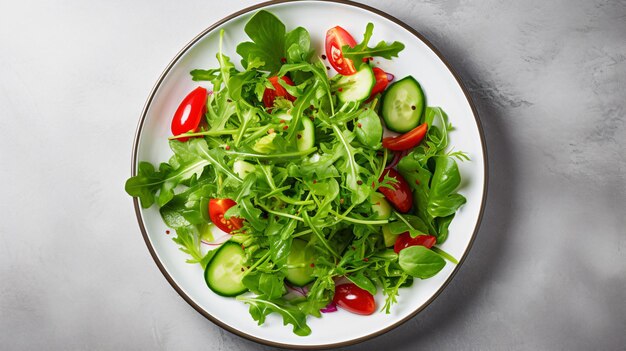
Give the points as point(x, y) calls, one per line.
point(177, 288)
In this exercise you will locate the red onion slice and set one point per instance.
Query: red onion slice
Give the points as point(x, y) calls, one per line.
point(216, 242)
point(331, 307)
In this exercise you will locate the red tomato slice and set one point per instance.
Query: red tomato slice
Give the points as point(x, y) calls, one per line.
point(354, 299)
point(382, 80)
point(189, 113)
point(404, 240)
point(217, 208)
point(336, 38)
point(269, 95)
point(407, 140)
point(401, 197)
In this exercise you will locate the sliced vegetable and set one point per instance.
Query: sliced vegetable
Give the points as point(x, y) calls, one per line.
point(382, 80)
point(217, 209)
point(354, 299)
point(400, 196)
point(243, 168)
point(403, 105)
point(336, 38)
point(408, 140)
point(404, 240)
point(300, 263)
point(389, 237)
point(356, 87)
point(225, 271)
point(269, 95)
point(189, 113)
point(380, 206)
point(306, 137)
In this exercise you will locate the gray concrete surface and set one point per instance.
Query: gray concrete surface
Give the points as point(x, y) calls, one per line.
point(547, 272)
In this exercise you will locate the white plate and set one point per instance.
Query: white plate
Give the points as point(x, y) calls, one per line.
point(442, 88)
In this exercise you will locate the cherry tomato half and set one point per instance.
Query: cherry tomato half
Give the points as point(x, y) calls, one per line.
point(404, 240)
point(407, 140)
point(217, 208)
point(382, 80)
point(336, 38)
point(189, 113)
point(269, 95)
point(401, 197)
point(354, 299)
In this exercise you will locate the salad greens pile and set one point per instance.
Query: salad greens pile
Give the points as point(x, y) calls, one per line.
point(325, 194)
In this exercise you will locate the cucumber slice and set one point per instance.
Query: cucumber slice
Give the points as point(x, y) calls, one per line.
point(403, 104)
point(382, 209)
point(299, 270)
point(306, 137)
point(390, 239)
point(356, 87)
point(224, 273)
point(242, 168)
point(282, 114)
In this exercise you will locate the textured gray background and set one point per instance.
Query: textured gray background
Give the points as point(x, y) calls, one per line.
point(547, 271)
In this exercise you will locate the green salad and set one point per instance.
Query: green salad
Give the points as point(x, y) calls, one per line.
point(318, 209)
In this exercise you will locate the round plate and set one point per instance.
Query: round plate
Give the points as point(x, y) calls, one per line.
point(442, 88)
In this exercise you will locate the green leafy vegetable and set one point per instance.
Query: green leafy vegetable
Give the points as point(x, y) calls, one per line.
point(420, 262)
point(361, 51)
point(268, 41)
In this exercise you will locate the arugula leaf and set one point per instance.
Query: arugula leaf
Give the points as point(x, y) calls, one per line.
point(268, 41)
point(147, 181)
point(260, 307)
point(361, 51)
point(188, 238)
point(188, 207)
point(269, 285)
point(204, 74)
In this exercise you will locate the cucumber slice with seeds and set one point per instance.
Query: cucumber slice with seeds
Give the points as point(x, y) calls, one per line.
point(224, 273)
point(305, 139)
point(403, 104)
point(356, 87)
point(299, 271)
